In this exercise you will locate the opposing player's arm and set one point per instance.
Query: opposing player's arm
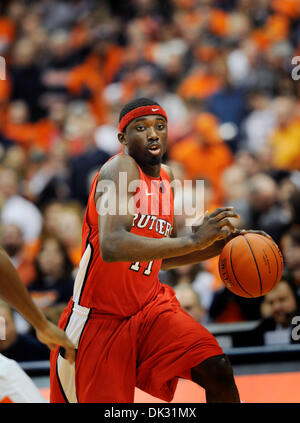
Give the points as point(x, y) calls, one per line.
point(13, 291)
point(118, 244)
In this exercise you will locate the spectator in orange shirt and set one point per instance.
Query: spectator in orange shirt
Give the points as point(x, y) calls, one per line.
point(290, 8)
point(203, 153)
point(200, 83)
point(50, 128)
point(17, 126)
point(5, 90)
point(12, 241)
point(106, 55)
point(85, 81)
point(99, 68)
point(7, 31)
point(285, 139)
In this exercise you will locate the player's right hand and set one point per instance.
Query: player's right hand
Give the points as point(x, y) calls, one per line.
point(215, 226)
point(53, 336)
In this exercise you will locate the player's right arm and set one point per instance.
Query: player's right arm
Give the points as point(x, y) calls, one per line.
point(118, 244)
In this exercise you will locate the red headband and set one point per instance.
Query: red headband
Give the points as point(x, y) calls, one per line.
point(141, 111)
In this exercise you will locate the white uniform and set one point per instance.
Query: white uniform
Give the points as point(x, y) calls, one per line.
point(15, 385)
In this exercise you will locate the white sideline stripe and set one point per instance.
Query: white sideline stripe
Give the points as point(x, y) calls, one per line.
point(65, 370)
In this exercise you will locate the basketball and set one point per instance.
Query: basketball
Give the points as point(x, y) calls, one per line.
point(250, 265)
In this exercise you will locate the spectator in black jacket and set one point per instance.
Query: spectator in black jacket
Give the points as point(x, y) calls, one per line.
point(276, 327)
point(82, 169)
point(25, 76)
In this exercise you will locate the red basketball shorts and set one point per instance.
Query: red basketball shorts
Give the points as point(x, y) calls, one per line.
point(149, 350)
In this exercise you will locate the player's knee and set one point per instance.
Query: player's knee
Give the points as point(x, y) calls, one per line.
point(215, 372)
point(223, 370)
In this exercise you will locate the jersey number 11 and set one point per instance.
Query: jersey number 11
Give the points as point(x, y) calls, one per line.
point(136, 267)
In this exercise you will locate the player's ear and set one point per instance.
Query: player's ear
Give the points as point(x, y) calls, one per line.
point(122, 138)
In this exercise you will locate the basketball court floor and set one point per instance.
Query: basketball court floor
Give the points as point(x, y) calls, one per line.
point(257, 383)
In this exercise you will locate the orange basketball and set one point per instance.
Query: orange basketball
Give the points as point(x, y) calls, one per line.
point(250, 265)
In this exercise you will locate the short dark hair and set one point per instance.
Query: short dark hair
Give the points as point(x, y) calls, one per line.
point(135, 103)
point(289, 280)
point(294, 234)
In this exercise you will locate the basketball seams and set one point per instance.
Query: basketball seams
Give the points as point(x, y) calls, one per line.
point(258, 272)
point(232, 269)
point(279, 254)
point(276, 263)
point(248, 260)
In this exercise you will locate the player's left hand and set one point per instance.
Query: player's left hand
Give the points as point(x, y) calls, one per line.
point(250, 231)
point(53, 336)
point(219, 245)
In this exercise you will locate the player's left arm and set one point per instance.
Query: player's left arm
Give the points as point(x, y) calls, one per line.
point(201, 255)
point(196, 256)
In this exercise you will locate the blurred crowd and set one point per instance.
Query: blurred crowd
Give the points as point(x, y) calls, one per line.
point(223, 71)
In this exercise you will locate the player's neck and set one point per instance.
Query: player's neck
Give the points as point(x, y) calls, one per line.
point(151, 170)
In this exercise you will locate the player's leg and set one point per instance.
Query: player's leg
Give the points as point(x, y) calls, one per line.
point(171, 344)
point(62, 379)
point(15, 384)
point(215, 375)
point(105, 365)
point(106, 362)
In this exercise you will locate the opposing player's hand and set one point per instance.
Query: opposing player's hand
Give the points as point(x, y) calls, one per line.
point(53, 336)
point(215, 226)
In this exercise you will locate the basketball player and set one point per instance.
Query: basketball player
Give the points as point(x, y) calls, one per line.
point(15, 385)
point(128, 328)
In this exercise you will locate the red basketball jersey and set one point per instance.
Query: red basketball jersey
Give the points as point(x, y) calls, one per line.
point(121, 289)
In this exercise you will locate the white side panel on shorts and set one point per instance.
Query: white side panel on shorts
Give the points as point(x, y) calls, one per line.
point(65, 370)
point(83, 265)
